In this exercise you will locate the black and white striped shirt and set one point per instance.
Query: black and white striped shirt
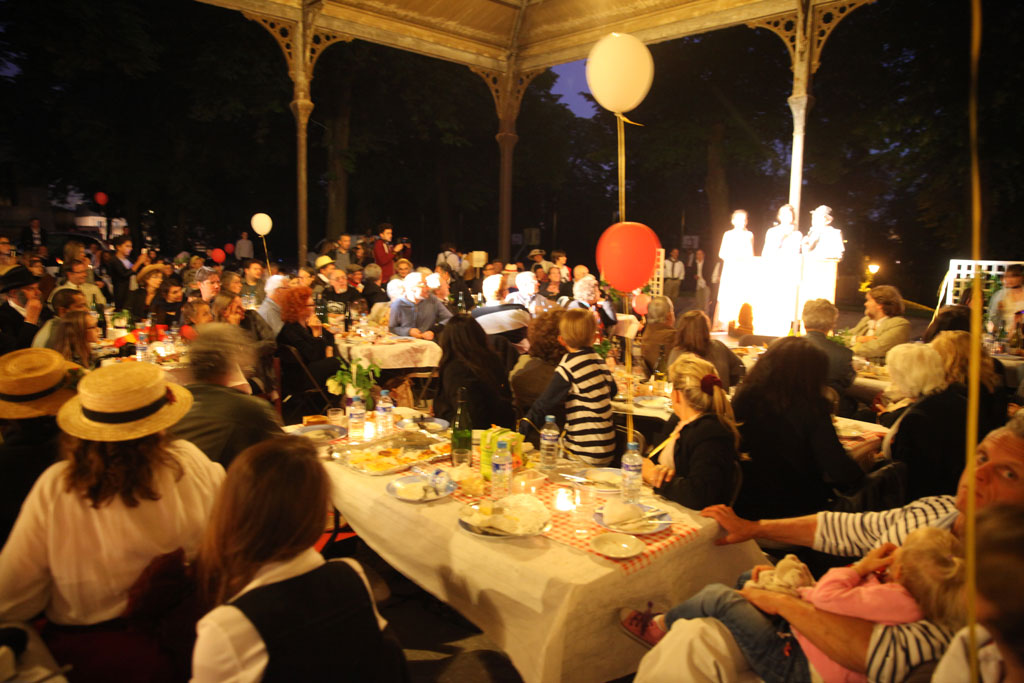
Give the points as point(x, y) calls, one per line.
point(894, 650)
point(583, 383)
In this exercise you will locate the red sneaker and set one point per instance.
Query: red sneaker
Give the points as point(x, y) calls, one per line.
point(640, 626)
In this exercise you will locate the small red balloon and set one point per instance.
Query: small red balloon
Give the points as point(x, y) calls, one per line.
point(218, 255)
point(101, 198)
point(641, 302)
point(229, 248)
point(626, 254)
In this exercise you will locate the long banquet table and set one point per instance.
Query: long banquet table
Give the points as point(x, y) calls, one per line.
point(551, 607)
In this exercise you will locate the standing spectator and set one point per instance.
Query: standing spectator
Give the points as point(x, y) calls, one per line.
point(560, 259)
point(384, 252)
point(537, 256)
point(701, 276)
point(673, 272)
point(243, 247)
point(583, 384)
point(32, 236)
point(882, 326)
point(22, 312)
point(453, 259)
point(121, 269)
point(252, 280)
point(223, 421)
point(343, 255)
point(361, 255)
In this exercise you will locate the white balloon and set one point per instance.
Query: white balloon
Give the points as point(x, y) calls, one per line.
point(619, 72)
point(261, 223)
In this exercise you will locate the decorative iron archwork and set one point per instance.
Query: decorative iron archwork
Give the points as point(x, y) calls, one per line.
point(284, 32)
point(824, 18)
point(507, 96)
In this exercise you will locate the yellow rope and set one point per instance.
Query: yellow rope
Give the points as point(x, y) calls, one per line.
point(974, 368)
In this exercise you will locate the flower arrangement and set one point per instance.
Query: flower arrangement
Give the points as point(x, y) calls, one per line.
point(356, 377)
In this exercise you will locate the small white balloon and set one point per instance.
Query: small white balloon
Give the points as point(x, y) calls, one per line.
point(261, 223)
point(619, 72)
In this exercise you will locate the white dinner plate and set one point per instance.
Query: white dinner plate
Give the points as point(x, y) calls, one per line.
point(648, 526)
point(617, 546)
point(434, 425)
point(321, 434)
point(602, 486)
point(407, 489)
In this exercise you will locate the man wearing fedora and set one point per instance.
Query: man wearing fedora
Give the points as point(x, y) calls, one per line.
point(324, 267)
point(823, 241)
point(23, 312)
point(34, 384)
point(537, 256)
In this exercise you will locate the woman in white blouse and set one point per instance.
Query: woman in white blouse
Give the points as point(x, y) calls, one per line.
point(122, 496)
point(280, 611)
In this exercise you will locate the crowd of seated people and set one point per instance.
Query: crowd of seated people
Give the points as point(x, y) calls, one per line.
point(766, 464)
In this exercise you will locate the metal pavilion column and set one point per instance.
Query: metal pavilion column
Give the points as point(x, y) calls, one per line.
point(804, 32)
point(302, 44)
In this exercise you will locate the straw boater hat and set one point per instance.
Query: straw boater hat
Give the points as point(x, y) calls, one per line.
point(123, 401)
point(324, 260)
point(140, 277)
point(35, 382)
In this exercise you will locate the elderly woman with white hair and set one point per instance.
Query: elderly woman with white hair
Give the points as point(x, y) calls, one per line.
point(416, 313)
point(527, 295)
point(587, 294)
point(929, 435)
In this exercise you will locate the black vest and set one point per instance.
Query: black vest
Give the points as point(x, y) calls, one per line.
point(320, 626)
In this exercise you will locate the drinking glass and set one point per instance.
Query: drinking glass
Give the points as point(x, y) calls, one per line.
point(586, 505)
point(336, 416)
point(462, 457)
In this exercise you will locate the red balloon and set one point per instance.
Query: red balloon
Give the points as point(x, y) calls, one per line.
point(626, 254)
point(218, 255)
point(230, 248)
point(640, 303)
point(101, 198)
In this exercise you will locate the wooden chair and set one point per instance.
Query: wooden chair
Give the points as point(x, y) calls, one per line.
point(313, 388)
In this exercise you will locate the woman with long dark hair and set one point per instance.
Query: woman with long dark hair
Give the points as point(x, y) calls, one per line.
point(468, 362)
point(786, 426)
point(694, 336)
point(123, 495)
point(279, 610)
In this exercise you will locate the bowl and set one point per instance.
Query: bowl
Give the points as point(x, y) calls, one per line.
point(617, 546)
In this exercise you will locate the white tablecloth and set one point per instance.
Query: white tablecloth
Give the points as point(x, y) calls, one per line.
point(414, 353)
point(553, 609)
point(1014, 369)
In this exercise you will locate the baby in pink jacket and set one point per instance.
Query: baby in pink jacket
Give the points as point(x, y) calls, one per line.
point(922, 579)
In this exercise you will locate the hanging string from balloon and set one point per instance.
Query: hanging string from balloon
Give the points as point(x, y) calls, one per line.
point(621, 131)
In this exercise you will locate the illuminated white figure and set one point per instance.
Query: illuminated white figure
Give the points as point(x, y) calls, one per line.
point(822, 240)
point(778, 281)
point(737, 254)
point(783, 238)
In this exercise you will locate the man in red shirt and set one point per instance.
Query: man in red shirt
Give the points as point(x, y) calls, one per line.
point(384, 252)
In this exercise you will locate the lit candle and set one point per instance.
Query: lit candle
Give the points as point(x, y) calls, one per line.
point(565, 501)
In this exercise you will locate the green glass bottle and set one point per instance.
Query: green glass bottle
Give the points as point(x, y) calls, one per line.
point(462, 432)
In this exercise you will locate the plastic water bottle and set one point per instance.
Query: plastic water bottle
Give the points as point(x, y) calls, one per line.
point(632, 477)
point(549, 444)
point(356, 419)
point(501, 471)
point(385, 414)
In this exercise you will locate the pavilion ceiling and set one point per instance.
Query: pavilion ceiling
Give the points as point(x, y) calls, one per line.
point(507, 35)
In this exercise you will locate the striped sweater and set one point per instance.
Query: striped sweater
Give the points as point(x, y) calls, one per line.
point(894, 650)
point(583, 384)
